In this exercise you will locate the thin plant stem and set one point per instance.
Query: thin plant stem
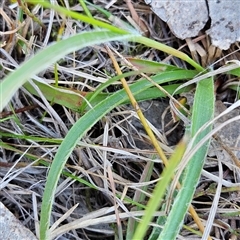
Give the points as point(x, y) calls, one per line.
point(150, 133)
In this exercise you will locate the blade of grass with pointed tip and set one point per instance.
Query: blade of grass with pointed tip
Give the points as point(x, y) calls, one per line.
point(159, 190)
point(79, 129)
point(203, 112)
point(147, 66)
point(73, 99)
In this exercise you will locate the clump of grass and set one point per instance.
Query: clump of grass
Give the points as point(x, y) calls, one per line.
point(63, 145)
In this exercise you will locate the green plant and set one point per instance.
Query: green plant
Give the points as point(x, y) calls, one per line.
point(205, 90)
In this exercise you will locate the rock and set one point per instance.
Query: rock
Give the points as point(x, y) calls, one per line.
point(186, 19)
point(11, 228)
point(225, 22)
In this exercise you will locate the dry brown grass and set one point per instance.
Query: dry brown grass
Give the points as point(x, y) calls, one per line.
point(116, 140)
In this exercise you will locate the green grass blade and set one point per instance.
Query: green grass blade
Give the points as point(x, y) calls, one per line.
point(203, 111)
point(51, 54)
point(48, 56)
point(137, 38)
point(80, 128)
point(148, 66)
point(235, 72)
point(73, 99)
point(162, 47)
point(159, 190)
point(79, 16)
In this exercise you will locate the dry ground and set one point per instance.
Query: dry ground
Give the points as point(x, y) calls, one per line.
point(23, 184)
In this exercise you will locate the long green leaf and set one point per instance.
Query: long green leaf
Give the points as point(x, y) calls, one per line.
point(81, 17)
point(73, 99)
point(159, 190)
point(80, 128)
point(203, 112)
point(50, 55)
point(138, 38)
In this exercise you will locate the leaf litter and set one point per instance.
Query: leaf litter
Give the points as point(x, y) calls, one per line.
point(113, 140)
